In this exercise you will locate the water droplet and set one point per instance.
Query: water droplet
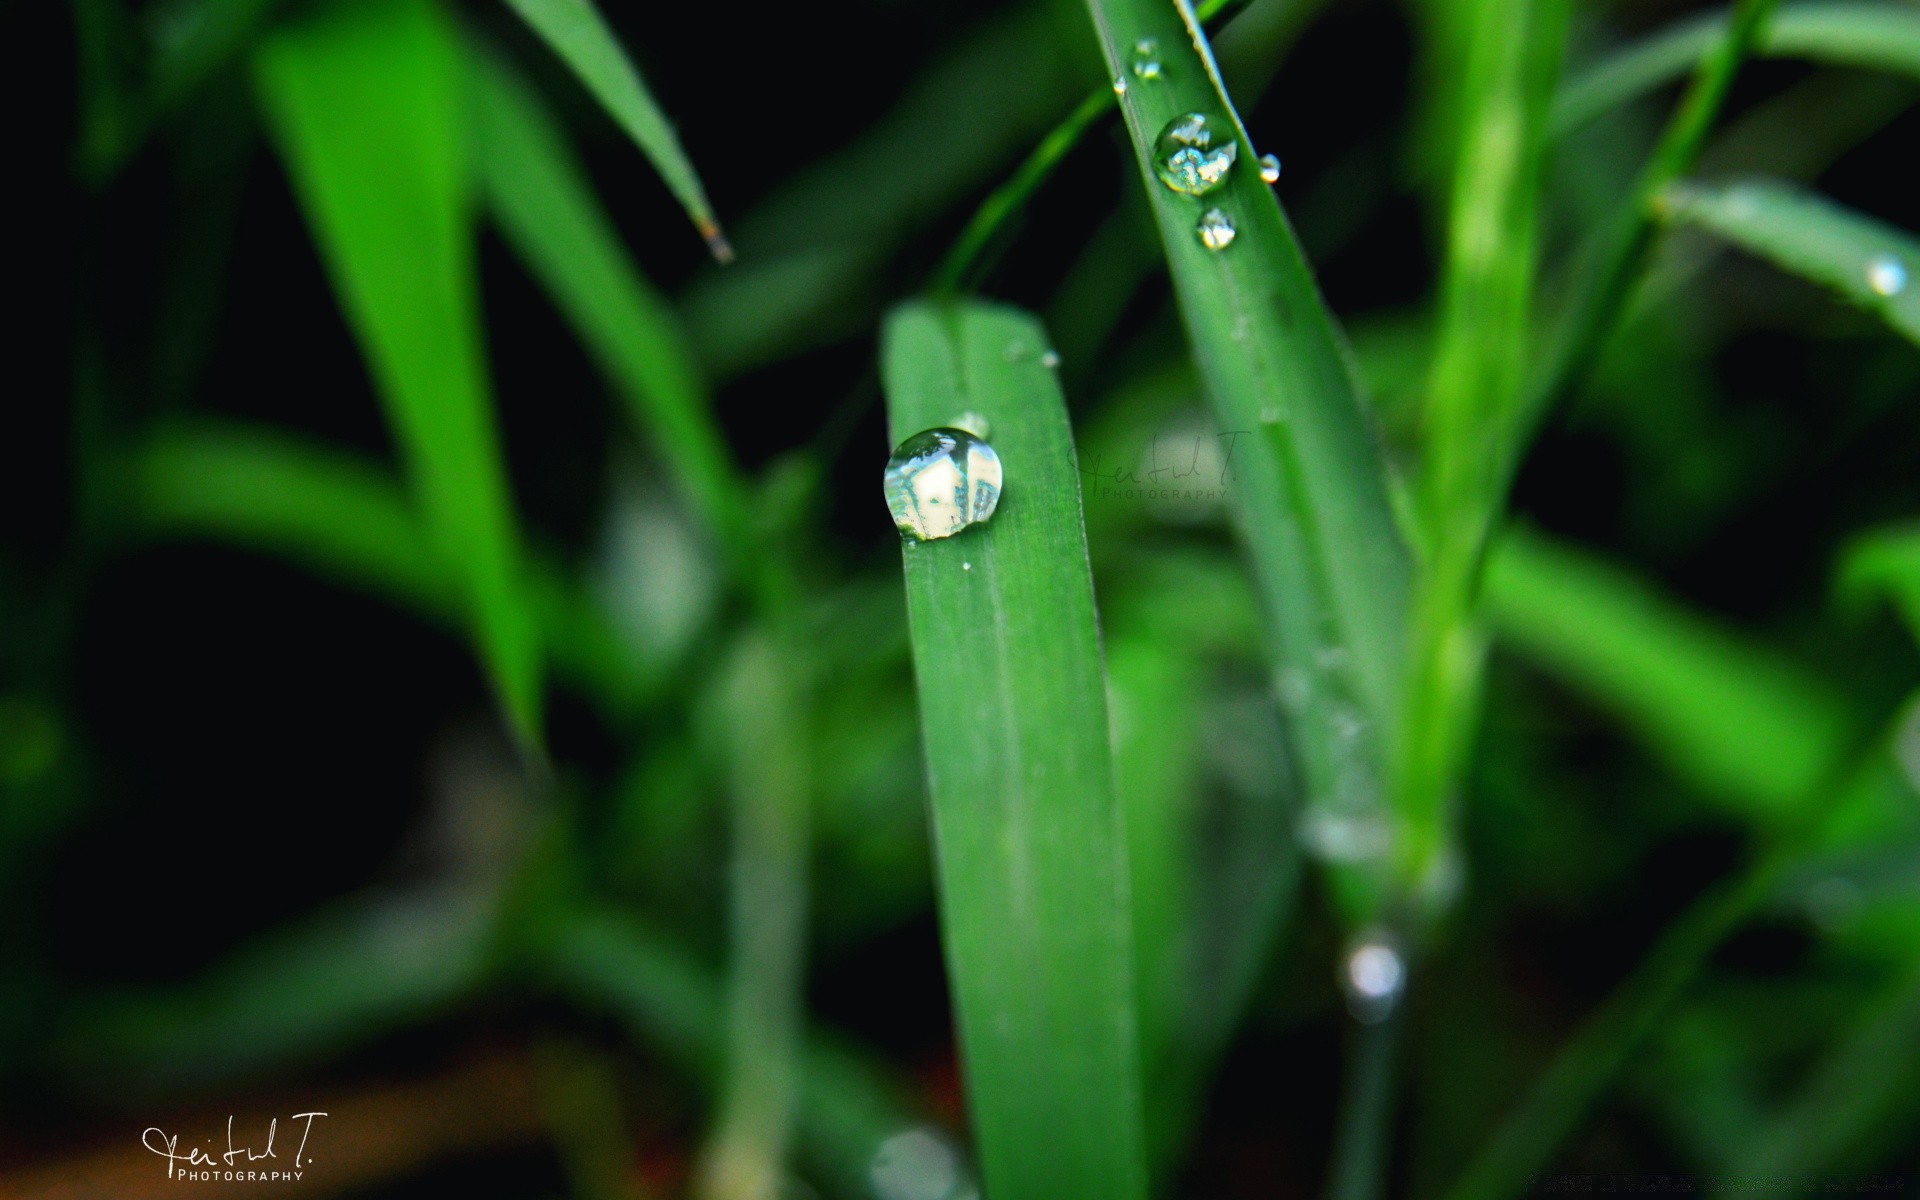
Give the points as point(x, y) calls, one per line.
point(940, 481)
point(1190, 159)
point(1146, 58)
point(918, 1164)
point(1887, 275)
point(1270, 415)
point(1119, 85)
point(1269, 168)
point(1373, 978)
point(1015, 351)
point(973, 423)
point(966, 566)
point(1216, 231)
point(1050, 360)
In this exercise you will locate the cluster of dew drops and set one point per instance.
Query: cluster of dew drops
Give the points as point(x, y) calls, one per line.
point(1191, 156)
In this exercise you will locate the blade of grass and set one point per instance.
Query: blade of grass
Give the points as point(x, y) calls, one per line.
point(349, 521)
point(1512, 57)
point(549, 214)
point(1870, 263)
point(576, 32)
point(366, 102)
point(1886, 562)
point(603, 960)
point(1883, 37)
point(1309, 483)
point(1746, 727)
point(746, 1150)
point(1861, 1091)
point(1030, 840)
point(1622, 248)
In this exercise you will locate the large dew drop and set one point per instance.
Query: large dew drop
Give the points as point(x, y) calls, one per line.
point(1191, 158)
point(940, 481)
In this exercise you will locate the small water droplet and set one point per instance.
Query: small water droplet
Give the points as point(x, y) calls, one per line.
point(1270, 415)
point(1215, 230)
point(1373, 977)
point(1887, 275)
point(1269, 168)
point(1146, 58)
point(966, 566)
point(1050, 360)
point(1119, 85)
point(940, 481)
point(1015, 351)
point(973, 423)
point(1190, 158)
point(1346, 834)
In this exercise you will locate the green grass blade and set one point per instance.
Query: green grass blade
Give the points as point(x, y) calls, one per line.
point(1885, 562)
point(1030, 839)
point(1309, 483)
point(1872, 264)
point(1475, 398)
point(349, 521)
point(1621, 251)
point(366, 101)
point(1883, 37)
point(1860, 1094)
point(579, 35)
point(1747, 728)
point(603, 960)
point(549, 214)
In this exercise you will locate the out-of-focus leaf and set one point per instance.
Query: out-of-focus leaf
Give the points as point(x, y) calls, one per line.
point(347, 520)
point(576, 31)
point(552, 218)
point(1029, 837)
point(1883, 37)
point(367, 102)
point(1885, 562)
point(1309, 484)
point(1867, 261)
point(1751, 730)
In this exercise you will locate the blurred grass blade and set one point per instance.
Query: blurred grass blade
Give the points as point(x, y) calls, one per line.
point(1883, 37)
point(576, 31)
point(366, 101)
point(349, 521)
point(765, 748)
point(1885, 562)
point(1030, 840)
point(1749, 729)
point(1862, 1097)
point(551, 217)
point(1870, 263)
point(603, 960)
point(1475, 397)
point(1308, 480)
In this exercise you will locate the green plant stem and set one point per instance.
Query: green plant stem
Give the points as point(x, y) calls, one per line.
point(1363, 1133)
point(1625, 243)
point(964, 262)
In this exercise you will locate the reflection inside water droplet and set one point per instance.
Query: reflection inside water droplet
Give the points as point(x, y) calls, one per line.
point(1215, 230)
point(940, 481)
point(1887, 275)
point(1190, 158)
